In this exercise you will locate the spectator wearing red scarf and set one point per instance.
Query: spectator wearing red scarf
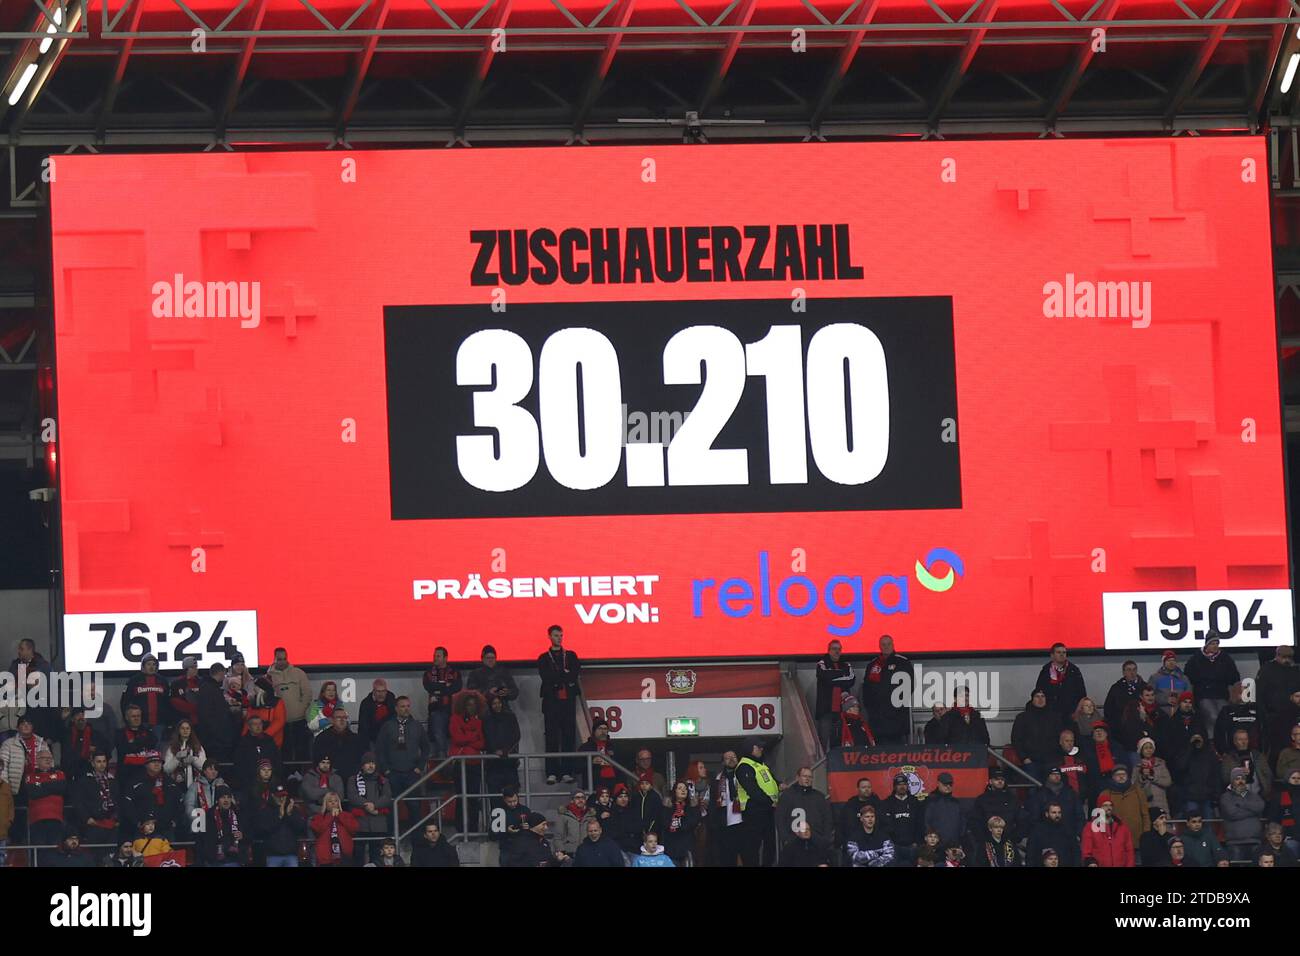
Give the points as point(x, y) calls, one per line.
point(152, 793)
point(320, 715)
point(150, 693)
point(334, 831)
point(183, 692)
point(19, 752)
point(572, 827)
point(45, 788)
point(681, 817)
point(887, 691)
point(80, 743)
point(377, 708)
point(1062, 682)
point(319, 783)
point(834, 681)
point(134, 743)
point(854, 730)
point(95, 799)
point(599, 743)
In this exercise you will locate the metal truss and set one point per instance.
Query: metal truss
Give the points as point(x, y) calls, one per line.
point(470, 73)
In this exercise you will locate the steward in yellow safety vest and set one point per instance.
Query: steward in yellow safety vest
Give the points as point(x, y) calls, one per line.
point(756, 786)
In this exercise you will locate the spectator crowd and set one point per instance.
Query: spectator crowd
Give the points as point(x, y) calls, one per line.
point(227, 767)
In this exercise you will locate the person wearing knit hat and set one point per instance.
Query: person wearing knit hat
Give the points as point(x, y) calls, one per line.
point(1050, 858)
point(1240, 808)
point(533, 847)
point(853, 730)
point(369, 797)
point(1169, 681)
point(1151, 774)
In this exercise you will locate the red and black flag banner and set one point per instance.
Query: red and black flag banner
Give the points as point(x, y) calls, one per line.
point(921, 765)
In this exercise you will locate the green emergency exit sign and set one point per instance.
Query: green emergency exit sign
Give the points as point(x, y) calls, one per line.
point(683, 727)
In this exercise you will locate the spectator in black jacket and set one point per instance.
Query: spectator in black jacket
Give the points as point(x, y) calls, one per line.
point(133, 742)
point(936, 731)
point(598, 849)
point(834, 681)
point(942, 811)
point(254, 747)
point(153, 794)
point(1036, 734)
point(501, 734)
point(441, 683)
point(805, 849)
point(1153, 846)
point(1237, 715)
point(903, 819)
point(801, 801)
point(96, 799)
point(853, 730)
point(25, 667)
point(150, 693)
point(430, 849)
point(284, 831)
point(1276, 681)
point(1055, 789)
point(81, 741)
point(492, 679)
point(1198, 779)
point(602, 770)
point(534, 847)
point(964, 726)
point(69, 855)
point(996, 801)
point(852, 810)
point(1212, 671)
point(887, 694)
point(508, 820)
point(1051, 831)
point(221, 842)
point(217, 724)
point(1062, 682)
point(377, 708)
point(560, 689)
point(681, 818)
point(1124, 690)
point(340, 744)
point(625, 826)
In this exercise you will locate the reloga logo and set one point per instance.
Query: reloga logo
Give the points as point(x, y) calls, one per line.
point(1082, 299)
point(179, 299)
point(844, 595)
point(86, 910)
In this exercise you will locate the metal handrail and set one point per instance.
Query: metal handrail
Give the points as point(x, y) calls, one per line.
point(463, 793)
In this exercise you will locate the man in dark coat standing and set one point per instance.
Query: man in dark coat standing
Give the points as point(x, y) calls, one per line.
point(1062, 682)
point(559, 671)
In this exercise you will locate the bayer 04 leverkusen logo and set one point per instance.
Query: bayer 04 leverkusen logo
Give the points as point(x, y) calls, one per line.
point(915, 785)
point(681, 681)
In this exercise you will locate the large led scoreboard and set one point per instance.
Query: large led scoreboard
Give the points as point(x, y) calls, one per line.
point(687, 402)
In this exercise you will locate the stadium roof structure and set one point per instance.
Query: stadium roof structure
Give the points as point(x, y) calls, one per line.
point(215, 73)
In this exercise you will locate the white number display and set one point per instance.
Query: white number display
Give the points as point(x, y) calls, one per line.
point(838, 404)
